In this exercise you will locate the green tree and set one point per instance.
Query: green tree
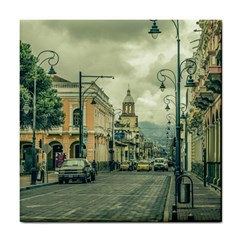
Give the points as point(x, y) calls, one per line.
point(48, 105)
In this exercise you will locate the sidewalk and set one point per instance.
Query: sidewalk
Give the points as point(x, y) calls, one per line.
point(207, 204)
point(25, 181)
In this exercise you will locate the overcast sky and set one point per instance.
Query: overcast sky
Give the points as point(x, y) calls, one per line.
point(120, 48)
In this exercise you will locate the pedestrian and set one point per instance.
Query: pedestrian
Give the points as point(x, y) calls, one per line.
point(22, 168)
point(42, 173)
point(110, 166)
point(113, 165)
point(118, 164)
point(94, 166)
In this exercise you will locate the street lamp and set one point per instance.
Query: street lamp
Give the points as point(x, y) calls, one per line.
point(170, 116)
point(191, 69)
point(52, 61)
point(80, 107)
point(185, 118)
point(167, 100)
point(154, 30)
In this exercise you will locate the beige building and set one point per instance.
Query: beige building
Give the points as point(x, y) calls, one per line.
point(97, 122)
point(205, 106)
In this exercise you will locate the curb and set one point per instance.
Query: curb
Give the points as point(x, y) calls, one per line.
point(37, 186)
point(166, 213)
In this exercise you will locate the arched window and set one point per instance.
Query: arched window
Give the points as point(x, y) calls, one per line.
point(76, 117)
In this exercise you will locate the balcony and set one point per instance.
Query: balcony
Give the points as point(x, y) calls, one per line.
point(203, 100)
point(214, 69)
point(214, 79)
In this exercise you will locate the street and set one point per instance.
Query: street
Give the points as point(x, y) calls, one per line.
point(113, 197)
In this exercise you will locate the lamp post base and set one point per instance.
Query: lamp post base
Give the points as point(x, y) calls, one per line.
point(33, 176)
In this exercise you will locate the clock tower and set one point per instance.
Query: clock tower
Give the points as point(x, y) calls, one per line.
point(128, 111)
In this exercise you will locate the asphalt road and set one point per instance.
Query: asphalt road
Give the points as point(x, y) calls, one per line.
point(113, 197)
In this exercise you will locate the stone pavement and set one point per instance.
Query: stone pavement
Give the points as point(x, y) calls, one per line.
point(207, 201)
point(207, 204)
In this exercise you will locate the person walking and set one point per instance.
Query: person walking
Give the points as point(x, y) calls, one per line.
point(42, 173)
point(94, 166)
point(113, 165)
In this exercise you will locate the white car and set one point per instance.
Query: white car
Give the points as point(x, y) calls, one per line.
point(160, 164)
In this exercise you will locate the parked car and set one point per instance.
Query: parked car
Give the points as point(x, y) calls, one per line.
point(144, 165)
point(76, 169)
point(160, 164)
point(125, 166)
point(170, 163)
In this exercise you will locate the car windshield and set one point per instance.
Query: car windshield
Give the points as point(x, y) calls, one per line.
point(73, 163)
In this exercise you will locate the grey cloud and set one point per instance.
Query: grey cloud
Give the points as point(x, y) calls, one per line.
point(98, 30)
point(122, 48)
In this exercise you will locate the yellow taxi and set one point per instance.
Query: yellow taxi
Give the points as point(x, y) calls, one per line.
point(144, 165)
point(125, 166)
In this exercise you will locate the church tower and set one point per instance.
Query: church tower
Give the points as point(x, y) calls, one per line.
point(128, 111)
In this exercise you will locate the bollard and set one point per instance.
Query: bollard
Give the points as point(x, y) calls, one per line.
point(174, 207)
point(184, 193)
point(174, 216)
point(190, 217)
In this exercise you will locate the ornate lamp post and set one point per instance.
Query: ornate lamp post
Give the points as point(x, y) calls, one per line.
point(176, 80)
point(163, 74)
point(185, 118)
point(52, 61)
point(167, 100)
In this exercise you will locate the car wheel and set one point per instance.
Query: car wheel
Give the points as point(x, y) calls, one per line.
point(85, 179)
point(60, 181)
point(93, 177)
point(90, 178)
point(67, 181)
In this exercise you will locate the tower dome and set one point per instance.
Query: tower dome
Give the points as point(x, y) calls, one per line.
point(128, 98)
point(128, 110)
point(128, 104)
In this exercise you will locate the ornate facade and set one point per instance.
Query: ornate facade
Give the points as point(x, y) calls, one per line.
point(97, 120)
point(205, 112)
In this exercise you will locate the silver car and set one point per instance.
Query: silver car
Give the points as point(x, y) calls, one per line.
point(76, 169)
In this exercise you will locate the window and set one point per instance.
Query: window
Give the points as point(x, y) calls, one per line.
point(76, 117)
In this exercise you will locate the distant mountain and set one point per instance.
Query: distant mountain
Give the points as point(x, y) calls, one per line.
point(157, 133)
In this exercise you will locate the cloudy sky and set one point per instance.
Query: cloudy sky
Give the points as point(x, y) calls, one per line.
point(120, 48)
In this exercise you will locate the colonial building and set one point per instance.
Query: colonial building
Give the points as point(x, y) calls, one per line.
point(97, 120)
point(205, 101)
point(127, 132)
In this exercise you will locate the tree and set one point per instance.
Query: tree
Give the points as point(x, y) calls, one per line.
point(48, 105)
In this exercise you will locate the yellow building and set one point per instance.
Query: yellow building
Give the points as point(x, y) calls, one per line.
point(97, 122)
